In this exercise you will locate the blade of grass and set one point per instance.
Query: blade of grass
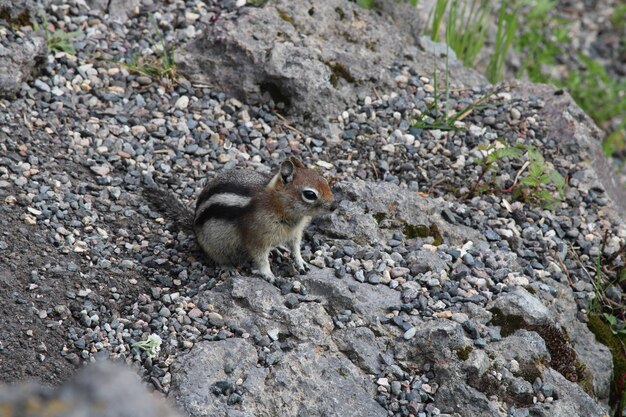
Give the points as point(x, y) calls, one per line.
point(437, 17)
point(504, 39)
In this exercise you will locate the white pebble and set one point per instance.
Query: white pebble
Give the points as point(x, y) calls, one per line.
point(182, 102)
point(409, 334)
point(273, 334)
point(402, 79)
point(384, 382)
point(504, 96)
point(388, 148)
point(324, 164)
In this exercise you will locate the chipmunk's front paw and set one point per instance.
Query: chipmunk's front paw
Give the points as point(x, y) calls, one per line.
point(303, 267)
point(271, 278)
point(266, 274)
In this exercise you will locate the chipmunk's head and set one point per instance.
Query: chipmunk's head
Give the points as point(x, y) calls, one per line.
point(308, 190)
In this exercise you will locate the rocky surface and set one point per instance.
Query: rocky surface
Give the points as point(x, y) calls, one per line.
point(20, 61)
point(117, 10)
point(309, 57)
point(424, 299)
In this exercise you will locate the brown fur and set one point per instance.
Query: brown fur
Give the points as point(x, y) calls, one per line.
point(276, 214)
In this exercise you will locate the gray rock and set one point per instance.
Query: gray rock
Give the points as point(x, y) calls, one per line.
point(572, 399)
point(259, 307)
point(19, 62)
point(440, 49)
point(395, 208)
point(424, 261)
point(520, 304)
point(457, 397)
point(309, 381)
point(434, 341)
point(613, 292)
point(596, 357)
point(98, 390)
point(477, 364)
point(521, 390)
point(298, 54)
point(194, 374)
point(527, 348)
point(118, 10)
point(361, 346)
point(370, 302)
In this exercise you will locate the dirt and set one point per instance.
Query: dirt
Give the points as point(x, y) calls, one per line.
point(34, 279)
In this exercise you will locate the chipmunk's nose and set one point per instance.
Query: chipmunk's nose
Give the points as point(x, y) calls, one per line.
point(334, 205)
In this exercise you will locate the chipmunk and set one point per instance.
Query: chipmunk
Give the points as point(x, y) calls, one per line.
point(241, 215)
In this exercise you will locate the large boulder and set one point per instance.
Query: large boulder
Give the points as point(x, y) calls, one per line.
point(219, 379)
point(20, 61)
point(315, 57)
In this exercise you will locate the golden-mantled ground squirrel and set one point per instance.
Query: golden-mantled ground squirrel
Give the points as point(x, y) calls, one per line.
point(241, 215)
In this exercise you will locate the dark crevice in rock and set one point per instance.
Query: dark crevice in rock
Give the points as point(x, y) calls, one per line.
point(278, 94)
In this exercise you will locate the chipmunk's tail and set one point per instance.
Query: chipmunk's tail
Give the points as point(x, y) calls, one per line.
point(166, 202)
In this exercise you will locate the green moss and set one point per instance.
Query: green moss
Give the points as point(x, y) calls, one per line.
point(21, 19)
point(508, 323)
point(616, 344)
point(563, 357)
point(531, 371)
point(371, 45)
point(5, 14)
point(422, 231)
point(487, 384)
point(338, 71)
point(464, 352)
point(585, 377)
point(379, 217)
point(340, 13)
point(286, 17)
point(531, 289)
point(618, 17)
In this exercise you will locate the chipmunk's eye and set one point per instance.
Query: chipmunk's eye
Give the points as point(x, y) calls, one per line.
point(309, 195)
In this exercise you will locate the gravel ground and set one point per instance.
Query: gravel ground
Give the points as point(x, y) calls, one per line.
point(79, 143)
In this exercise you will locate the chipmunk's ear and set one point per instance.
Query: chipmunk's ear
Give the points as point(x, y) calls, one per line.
point(286, 171)
point(296, 162)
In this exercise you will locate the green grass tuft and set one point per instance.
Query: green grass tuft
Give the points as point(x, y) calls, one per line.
point(160, 66)
point(535, 182)
point(57, 41)
point(466, 28)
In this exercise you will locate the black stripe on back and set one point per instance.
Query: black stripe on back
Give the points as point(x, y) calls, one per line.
point(222, 212)
point(239, 189)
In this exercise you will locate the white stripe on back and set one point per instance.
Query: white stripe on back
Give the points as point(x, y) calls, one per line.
point(226, 199)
